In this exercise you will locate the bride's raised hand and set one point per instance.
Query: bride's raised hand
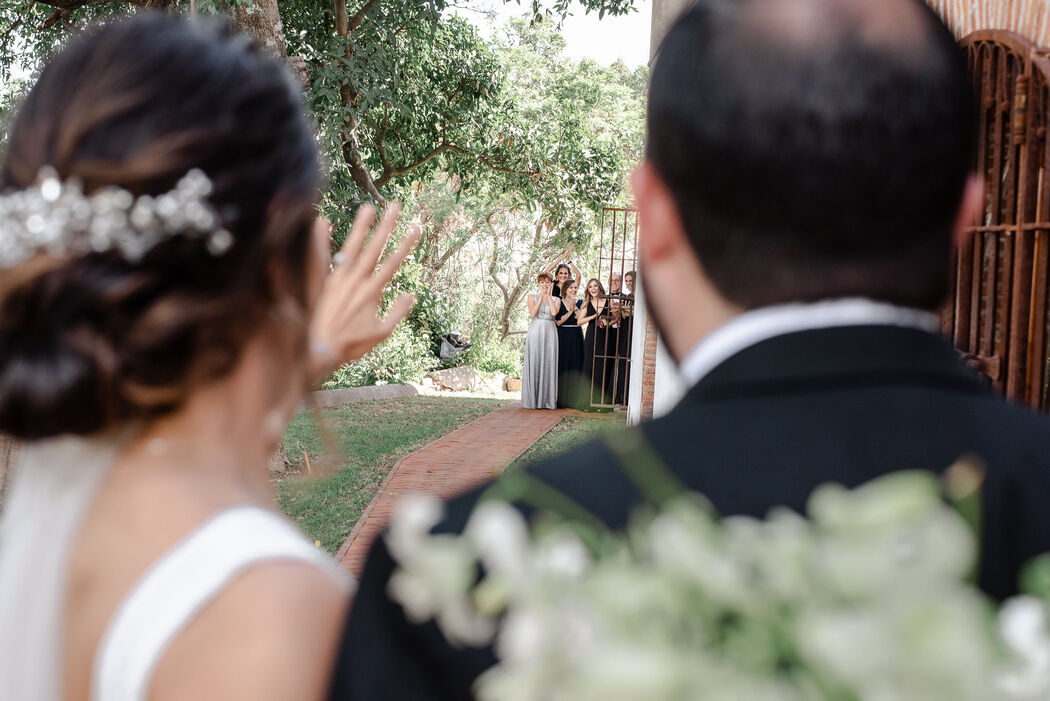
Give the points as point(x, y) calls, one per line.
point(346, 323)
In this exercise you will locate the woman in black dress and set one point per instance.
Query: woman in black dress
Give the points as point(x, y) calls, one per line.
point(623, 390)
point(562, 274)
point(596, 314)
point(572, 391)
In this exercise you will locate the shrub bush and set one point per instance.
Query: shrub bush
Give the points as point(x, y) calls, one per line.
point(493, 355)
point(430, 317)
point(404, 357)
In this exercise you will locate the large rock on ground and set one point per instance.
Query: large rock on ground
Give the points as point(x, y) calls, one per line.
point(497, 382)
point(458, 379)
point(513, 384)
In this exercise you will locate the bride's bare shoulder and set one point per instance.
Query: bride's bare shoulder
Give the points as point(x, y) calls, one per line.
point(272, 633)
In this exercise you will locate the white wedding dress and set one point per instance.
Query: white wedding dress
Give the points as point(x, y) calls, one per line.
point(52, 484)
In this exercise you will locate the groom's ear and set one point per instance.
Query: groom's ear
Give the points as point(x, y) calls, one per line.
point(971, 206)
point(663, 235)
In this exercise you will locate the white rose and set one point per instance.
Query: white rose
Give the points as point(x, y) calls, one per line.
point(1022, 626)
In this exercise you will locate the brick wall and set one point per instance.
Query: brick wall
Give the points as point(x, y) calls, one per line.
point(648, 369)
point(1029, 18)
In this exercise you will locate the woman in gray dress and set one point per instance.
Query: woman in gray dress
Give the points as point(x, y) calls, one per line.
point(539, 377)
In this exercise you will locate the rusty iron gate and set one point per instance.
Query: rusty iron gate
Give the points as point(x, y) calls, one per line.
point(608, 338)
point(998, 311)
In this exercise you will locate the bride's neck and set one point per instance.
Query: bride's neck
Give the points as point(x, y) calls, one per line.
point(227, 430)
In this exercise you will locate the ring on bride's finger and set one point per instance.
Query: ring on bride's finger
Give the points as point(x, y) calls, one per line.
point(339, 258)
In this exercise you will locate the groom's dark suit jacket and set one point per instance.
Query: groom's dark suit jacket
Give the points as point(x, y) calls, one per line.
point(763, 428)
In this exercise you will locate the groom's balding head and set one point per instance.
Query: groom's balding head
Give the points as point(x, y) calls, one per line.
point(814, 148)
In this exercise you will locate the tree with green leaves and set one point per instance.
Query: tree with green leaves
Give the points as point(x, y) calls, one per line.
point(399, 87)
point(407, 95)
point(581, 124)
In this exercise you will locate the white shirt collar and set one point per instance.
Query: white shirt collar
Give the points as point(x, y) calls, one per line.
point(760, 324)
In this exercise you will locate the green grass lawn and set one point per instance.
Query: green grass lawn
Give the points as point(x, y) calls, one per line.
point(368, 438)
point(567, 433)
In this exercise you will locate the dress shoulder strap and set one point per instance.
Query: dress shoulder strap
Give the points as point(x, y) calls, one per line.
point(179, 585)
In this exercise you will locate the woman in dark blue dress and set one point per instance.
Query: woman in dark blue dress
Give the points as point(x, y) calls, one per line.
point(571, 392)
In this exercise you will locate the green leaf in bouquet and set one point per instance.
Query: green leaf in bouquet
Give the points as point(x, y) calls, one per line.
point(1035, 577)
point(962, 487)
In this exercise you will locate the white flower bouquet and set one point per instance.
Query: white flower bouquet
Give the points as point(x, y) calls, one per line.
point(867, 599)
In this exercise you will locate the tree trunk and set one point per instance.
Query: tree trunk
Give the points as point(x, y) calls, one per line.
point(344, 27)
point(517, 293)
point(261, 19)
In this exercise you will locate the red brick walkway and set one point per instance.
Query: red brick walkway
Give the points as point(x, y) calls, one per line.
point(463, 459)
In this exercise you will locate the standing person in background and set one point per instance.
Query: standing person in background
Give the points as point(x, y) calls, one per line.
point(595, 314)
point(539, 375)
point(562, 275)
point(615, 298)
point(626, 331)
point(571, 393)
point(615, 366)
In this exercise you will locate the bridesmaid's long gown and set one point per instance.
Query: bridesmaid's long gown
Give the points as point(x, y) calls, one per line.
point(598, 372)
point(572, 392)
point(539, 376)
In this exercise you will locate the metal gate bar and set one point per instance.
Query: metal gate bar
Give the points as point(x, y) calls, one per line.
point(998, 310)
point(611, 364)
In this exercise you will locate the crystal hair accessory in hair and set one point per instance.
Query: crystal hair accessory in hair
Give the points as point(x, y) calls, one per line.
point(55, 217)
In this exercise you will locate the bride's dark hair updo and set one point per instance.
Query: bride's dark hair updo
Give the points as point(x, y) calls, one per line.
point(89, 341)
